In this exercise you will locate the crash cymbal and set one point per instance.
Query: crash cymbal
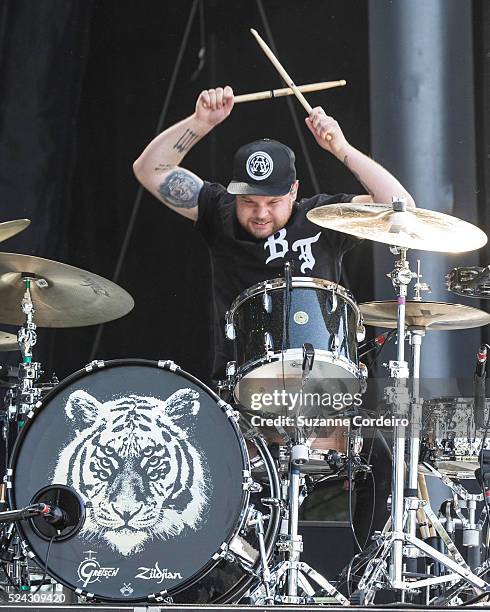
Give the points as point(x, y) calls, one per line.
point(417, 228)
point(430, 315)
point(10, 228)
point(63, 296)
point(8, 342)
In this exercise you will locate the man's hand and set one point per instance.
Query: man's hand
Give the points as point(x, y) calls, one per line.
point(320, 124)
point(214, 105)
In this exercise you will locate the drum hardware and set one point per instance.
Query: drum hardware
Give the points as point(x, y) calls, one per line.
point(332, 302)
point(290, 575)
point(419, 286)
point(472, 281)
point(267, 303)
point(399, 540)
point(308, 359)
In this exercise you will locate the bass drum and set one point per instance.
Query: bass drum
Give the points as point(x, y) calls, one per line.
point(163, 475)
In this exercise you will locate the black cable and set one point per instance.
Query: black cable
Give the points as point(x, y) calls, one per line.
point(45, 566)
point(9, 579)
point(351, 520)
point(290, 104)
point(141, 190)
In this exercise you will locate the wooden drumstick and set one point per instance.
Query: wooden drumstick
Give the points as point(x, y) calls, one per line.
point(287, 91)
point(289, 81)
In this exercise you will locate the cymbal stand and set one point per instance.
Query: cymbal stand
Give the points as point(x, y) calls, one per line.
point(29, 371)
point(385, 569)
point(26, 395)
point(296, 573)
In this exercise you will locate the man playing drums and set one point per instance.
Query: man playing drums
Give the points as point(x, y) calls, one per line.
point(255, 224)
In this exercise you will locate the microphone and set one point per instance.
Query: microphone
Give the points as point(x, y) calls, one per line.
point(56, 516)
point(63, 515)
point(374, 343)
point(479, 386)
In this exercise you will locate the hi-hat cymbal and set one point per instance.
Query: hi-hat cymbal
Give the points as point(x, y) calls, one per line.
point(8, 342)
point(430, 315)
point(10, 228)
point(416, 228)
point(63, 296)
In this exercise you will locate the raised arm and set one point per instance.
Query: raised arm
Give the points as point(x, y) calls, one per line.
point(158, 167)
point(376, 180)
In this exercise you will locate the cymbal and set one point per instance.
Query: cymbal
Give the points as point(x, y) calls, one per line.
point(8, 342)
point(417, 228)
point(10, 228)
point(430, 315)
point(63, 296)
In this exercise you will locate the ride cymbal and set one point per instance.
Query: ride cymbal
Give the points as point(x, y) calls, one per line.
point(429, 315)
point(415, 228)
point(10, 228)
point(62, 295)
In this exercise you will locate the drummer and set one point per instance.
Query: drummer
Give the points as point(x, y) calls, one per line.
point(256, 224)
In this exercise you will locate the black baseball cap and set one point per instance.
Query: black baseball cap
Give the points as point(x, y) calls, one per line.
point(263, 167)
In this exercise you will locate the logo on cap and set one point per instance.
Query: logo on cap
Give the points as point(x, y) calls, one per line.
point(259, 165)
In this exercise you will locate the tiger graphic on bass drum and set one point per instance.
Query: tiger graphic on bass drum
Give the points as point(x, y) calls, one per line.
point(134, 464)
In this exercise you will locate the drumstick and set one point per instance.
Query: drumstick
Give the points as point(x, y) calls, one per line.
point(286, 91)
point(289, 81)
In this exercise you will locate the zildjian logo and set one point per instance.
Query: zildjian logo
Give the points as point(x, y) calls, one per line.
point(155, 573)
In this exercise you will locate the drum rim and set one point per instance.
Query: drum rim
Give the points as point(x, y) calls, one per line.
point(297, 282)
point(295, 353)
point(97, 366)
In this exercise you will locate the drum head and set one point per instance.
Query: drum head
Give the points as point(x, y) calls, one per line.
point(159, 466)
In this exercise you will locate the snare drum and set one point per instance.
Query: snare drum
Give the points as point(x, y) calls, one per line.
point(163, 474)
point(450, 439)
point(310, 345)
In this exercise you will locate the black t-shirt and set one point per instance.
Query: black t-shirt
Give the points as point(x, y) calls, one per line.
point(238, 260)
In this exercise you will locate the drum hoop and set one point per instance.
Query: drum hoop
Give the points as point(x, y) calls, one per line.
point(297, 282)
point(321, 355)
point(245, 499)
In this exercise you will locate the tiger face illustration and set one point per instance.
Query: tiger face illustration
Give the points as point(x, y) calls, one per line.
point(133, 462)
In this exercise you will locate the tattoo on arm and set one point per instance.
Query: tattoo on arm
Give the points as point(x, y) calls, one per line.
point(346, 163)
point(185, 142)
point(164, 167)
point(180, 190)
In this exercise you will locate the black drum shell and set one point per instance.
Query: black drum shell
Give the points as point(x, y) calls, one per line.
point(251, 321)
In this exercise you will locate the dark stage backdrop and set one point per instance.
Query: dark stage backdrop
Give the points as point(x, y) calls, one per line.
point(83, 85)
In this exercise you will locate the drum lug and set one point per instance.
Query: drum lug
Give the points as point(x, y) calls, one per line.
point(363, 371)
point(335, 344)
point(360, 332)
point(267, 302)
point(229, 327)
point(247, 482)
point(231, 369)
point(332, 302)
point(268, 343)
point(97, 364)
point(230, 413)
point(223, 553)
point(168, 364)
